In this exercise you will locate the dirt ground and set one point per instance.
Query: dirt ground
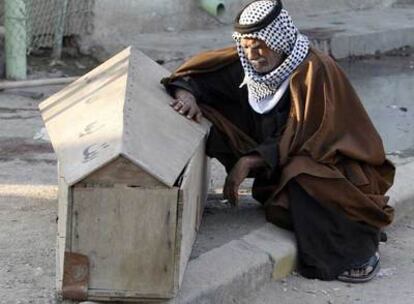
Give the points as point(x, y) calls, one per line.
point(27, 243)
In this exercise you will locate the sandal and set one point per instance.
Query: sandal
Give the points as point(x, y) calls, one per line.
point(373, 262)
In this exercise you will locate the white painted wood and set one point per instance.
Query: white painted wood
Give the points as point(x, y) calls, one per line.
point(121, 150)
point(156, 138)
point(129, 236)
point(121, 171)
point(193, 193)
point(120, 108)
point(138, 239)
point(123, 297)
point(84, 120)
point(63, 227)
point(204, 187)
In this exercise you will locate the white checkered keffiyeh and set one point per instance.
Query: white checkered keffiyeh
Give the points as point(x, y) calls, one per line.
point(280, 35)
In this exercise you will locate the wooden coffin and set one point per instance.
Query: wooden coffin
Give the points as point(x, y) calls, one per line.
point(133, 180)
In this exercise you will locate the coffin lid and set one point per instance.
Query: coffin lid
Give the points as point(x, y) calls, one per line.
point(120, 109)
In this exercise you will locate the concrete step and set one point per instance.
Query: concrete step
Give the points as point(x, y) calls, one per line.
point(357, 33)
point(402, 192)
point(241, 266)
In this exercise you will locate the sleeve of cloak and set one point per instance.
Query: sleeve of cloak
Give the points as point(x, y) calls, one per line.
point(179, 83)
point(212, 88)
point(268, 150)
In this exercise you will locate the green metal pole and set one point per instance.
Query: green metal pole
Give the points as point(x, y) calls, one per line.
point(213, 7)
point(29, 29)
point(61, 8)
point(15, 39)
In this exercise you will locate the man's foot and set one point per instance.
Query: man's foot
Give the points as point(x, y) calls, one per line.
point(362, 273)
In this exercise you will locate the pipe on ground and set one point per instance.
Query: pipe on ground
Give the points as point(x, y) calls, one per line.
point(216, 8)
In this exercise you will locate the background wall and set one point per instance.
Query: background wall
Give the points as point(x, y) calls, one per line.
point(116, 22)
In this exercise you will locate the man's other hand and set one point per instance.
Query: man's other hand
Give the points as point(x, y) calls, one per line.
point(238, 174)
point(185, 104)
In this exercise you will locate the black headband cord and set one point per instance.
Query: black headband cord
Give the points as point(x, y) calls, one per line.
point(257, 26)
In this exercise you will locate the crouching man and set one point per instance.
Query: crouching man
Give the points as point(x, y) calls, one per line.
point(286, 114)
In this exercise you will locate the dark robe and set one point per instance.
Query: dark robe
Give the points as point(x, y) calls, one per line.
point(220, 90)
point(326, 171)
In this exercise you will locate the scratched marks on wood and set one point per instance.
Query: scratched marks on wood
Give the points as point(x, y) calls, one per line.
point(91, 152)
point(91, 128)
point(85, 120)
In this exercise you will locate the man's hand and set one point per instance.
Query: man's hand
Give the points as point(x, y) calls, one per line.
point(185, 104)
point(238, 174)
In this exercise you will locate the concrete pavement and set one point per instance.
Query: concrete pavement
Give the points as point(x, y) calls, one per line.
point(235, 270)
point(236, 251)
point(393, 283)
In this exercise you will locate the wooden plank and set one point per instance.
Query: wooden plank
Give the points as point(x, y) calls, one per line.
point(129, 236)
point(193, 189)
point(205, 186)
point(122, 296)
point(179, 252)
point(85, 120)
point(121, 171)
point(156, 138)
point(63, 227)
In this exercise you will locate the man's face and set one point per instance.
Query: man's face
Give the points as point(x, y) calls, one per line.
point(262, 58)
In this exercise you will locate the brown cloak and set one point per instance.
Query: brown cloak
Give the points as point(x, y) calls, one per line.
point(329, 145)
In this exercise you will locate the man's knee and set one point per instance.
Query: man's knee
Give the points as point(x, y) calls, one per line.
point(279, 216)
